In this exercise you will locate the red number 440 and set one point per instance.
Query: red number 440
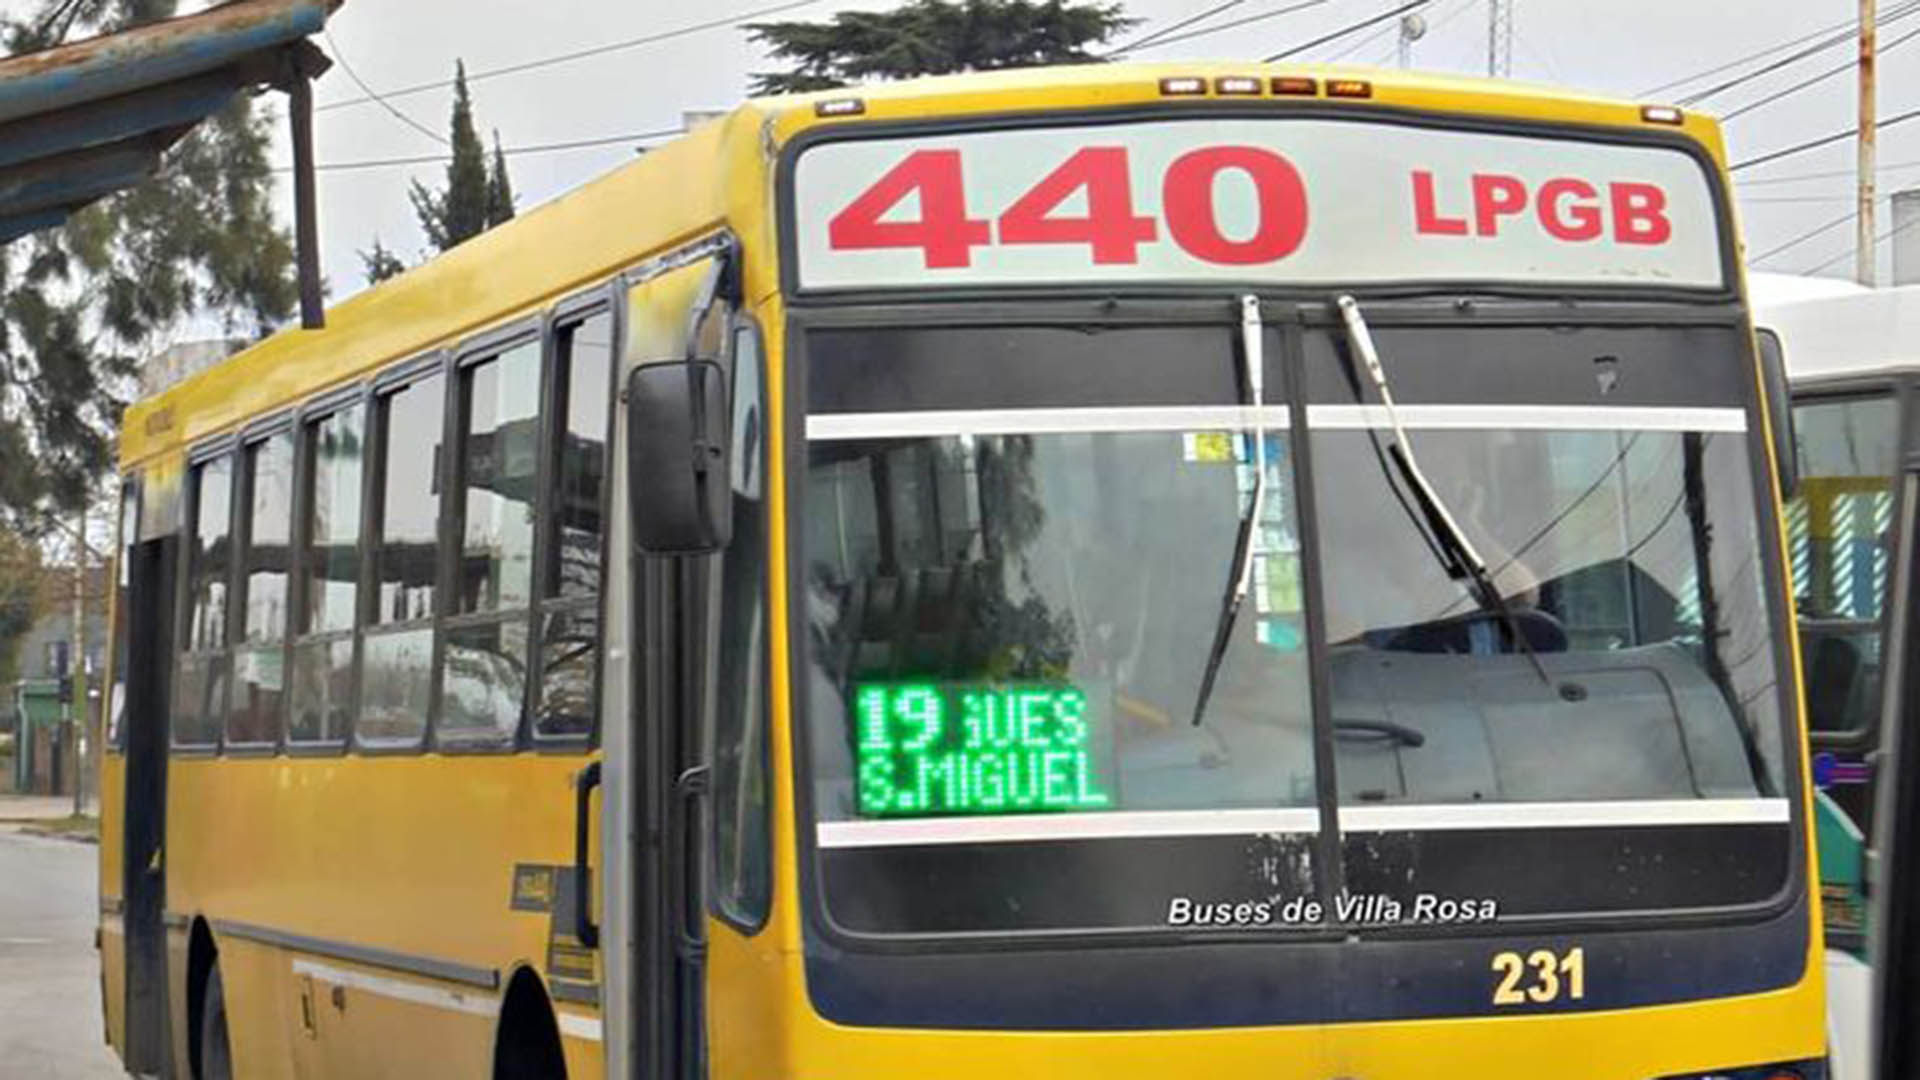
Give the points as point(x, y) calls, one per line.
point(1110, 229)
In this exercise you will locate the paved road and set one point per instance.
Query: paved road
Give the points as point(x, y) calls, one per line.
point(49, 975)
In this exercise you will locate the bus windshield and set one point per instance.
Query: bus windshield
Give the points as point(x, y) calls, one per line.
point(1012, 585)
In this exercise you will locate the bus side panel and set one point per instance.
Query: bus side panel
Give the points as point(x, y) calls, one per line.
point(261, 1020)
point(413, 855)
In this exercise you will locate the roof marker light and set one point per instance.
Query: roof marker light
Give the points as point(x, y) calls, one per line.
point(1296, 85)
point(840, 107)
point(1349, 88)
point(1662, 114)
point(1237, 85)
point(1183, 86)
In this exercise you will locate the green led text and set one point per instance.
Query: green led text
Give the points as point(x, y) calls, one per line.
point(924, 748)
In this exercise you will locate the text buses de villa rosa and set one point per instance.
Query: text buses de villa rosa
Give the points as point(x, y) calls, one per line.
point(961, 528)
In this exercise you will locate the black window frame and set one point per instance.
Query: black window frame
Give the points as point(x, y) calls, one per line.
point(198, 458)
point(315, 411)
point(567, 315)
point(1297, 314)
point(369, 394)
point(747, 921)
point(480, 349)
point(241, 530)
point(1899, 388)
point(380, 391)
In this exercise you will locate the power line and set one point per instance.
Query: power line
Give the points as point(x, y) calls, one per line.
point(578, 54)
point(1877, 241)
point(340, 56)
point(1771, 66)
point(1181, 25)
point(511, 151)
point(1851, 65)
point(1232, 24)
point(1842, 37)
point(1750, 57)
point(1803, 237)
point(1824, 140)
point(1350, 28)
point(1824, 175)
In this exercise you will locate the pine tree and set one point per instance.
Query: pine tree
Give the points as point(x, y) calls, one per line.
point(380, 263)
point(82, 304)
point(457, 213)
point(933, 37)
point(499, 188)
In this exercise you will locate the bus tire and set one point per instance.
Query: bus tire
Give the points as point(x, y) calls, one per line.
point(216, 1053)
point(527, 1044)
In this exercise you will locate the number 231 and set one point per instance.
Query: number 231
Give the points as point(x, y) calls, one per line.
point(1552, 976)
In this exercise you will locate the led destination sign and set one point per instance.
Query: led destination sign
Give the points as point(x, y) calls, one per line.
point(925, 748)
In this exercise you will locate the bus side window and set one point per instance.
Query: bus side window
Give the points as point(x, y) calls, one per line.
point(328, 596)
point(259, 656)
point(200, 676)
point(483, 685)
point(737, 678)
point(1838, 546)
point(397, 650)
point(572, 563)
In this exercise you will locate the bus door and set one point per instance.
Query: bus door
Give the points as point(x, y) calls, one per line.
point(1840, 537)
point(150, 586)
point(671, 317)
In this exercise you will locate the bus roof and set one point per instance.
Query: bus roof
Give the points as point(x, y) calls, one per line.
point(677, 191)
point(1836, 329)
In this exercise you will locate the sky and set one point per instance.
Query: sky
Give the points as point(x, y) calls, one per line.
point(1620, 47)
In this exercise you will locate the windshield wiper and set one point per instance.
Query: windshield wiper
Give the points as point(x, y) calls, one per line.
point(1459, 557)
point(1253, 385)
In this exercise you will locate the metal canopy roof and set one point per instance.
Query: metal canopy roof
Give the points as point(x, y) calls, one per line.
point(82, 121)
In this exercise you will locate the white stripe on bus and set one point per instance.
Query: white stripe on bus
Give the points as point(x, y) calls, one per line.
point(1005, 828)
point(400, 990)
point(1533, 417)
point(580, 1027)
point(900, 425)
point(918, 424)
point(1563, 815)
point(1014, 828)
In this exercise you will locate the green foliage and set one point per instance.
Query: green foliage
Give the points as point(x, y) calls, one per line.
point(81, 305)
point(23, 596)
point(933, 37)
point(499, 188)
point(458, 212)
point(381, 263)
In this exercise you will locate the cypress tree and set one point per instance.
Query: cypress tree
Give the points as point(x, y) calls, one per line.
point(499, 188)
point(458, 212)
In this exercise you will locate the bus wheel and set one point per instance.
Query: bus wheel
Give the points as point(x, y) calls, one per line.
point(216, 1056)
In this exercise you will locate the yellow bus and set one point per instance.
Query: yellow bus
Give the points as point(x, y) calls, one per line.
point(1091, 572)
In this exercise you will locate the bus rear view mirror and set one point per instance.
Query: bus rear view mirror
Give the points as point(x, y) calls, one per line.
point(1773, 369)
point(677, 457)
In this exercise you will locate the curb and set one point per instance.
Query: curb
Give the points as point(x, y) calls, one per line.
point(55, 834)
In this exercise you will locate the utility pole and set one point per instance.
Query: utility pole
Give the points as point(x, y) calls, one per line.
point(1500, 37)
point(77, 669)
point(1863, 243)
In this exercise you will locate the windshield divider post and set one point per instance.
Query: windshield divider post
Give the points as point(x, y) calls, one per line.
point(1331, 873)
